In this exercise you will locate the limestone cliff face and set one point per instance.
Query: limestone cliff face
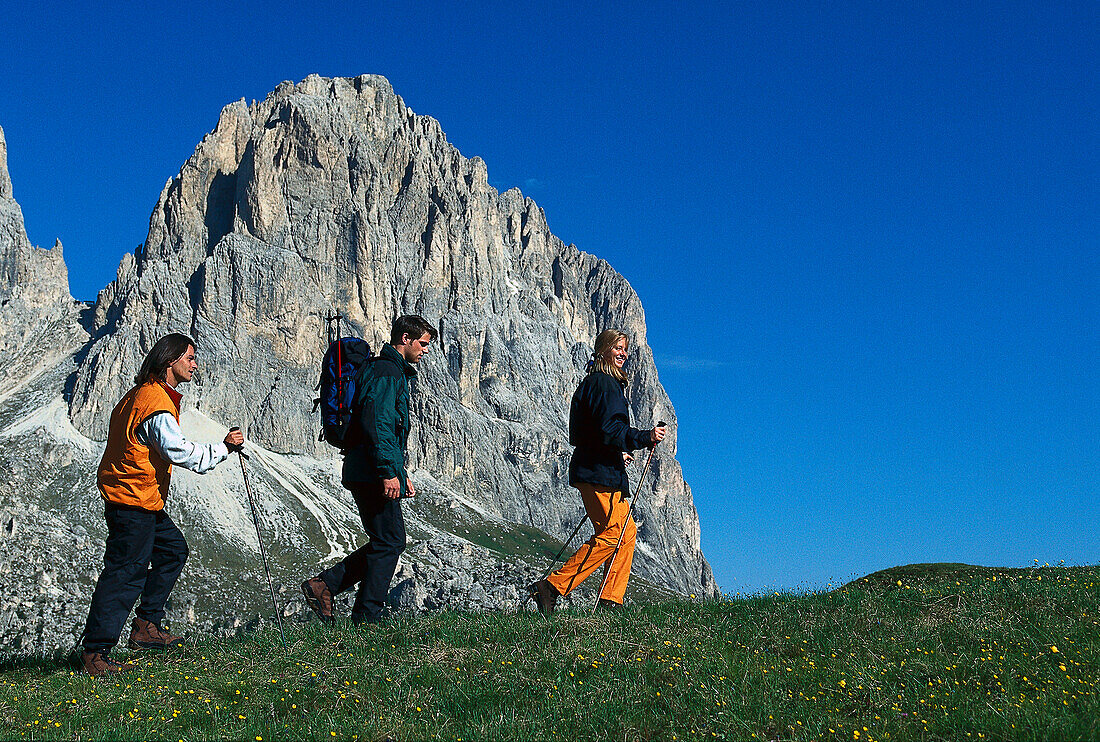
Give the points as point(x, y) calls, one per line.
point(32, 279)
point(35, 304)
point(40, 333)
point(332, 195)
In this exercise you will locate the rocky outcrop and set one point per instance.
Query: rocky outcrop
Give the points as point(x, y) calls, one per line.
point(38, 318)
point(33, 281)
point(331, 195)
point(40, 335)
point(5, 178)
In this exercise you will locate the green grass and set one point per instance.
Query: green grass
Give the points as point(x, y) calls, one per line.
point(952, 653)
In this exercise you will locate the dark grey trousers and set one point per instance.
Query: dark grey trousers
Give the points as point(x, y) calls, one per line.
point(371, 566)
point(144, 557)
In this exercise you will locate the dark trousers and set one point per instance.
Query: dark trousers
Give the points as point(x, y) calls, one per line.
point(373, 565)
point(145, 555)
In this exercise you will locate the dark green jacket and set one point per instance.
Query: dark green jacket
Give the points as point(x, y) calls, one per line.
point(382, 401)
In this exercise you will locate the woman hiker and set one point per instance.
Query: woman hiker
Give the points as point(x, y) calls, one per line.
point(599, 430)
point(145, 551)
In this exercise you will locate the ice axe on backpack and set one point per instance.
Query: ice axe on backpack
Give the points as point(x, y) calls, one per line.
point(239, 450)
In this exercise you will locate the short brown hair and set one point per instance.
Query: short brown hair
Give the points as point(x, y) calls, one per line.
point(413, 325)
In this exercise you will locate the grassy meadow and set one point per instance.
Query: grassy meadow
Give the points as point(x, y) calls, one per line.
point(926, 652)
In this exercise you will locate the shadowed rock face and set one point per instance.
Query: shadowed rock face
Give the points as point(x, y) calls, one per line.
point(332, 196)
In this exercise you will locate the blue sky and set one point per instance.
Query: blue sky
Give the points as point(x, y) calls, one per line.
point(866, 234)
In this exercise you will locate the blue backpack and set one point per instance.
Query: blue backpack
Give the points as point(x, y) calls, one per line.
point(339, 369)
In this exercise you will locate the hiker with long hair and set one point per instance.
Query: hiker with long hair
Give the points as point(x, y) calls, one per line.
point(599, 430)
point(145, 550)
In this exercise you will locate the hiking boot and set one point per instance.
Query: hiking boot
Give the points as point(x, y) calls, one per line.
point(545, 596)
point(318, 597)
point(98, 663)
point(608, 605)
point(147, 635)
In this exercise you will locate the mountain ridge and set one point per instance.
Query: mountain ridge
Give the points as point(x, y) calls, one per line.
point(331, 195)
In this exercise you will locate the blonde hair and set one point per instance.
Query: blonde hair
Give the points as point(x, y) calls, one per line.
point(605, 341)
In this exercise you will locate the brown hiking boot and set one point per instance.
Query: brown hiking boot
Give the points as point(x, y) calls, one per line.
point(147, 635)
point(98, 663)
point(318, 597)
point(545, 596)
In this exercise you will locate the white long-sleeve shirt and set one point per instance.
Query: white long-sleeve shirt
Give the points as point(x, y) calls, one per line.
point(162, 433)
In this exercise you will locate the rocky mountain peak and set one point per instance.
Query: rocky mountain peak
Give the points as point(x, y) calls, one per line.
point(33, 280)
point(5, 179)
point(330, 195)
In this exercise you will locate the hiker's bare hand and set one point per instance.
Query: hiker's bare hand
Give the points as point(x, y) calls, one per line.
point(657, 434)
point(235, 439)
point(627, 458)
point(410, 491)
point(391, 488)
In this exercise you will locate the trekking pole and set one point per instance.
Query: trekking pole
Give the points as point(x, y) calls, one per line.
point(259, 538)
point(622, 531)
point(558, 555)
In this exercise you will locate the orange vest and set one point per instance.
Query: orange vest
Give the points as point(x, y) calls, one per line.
point(130, 473)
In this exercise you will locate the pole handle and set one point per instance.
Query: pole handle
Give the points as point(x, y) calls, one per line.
point(239, 450)
point(653, 445)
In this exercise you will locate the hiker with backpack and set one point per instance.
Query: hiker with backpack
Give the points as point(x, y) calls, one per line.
point(145, 550)
point(374, 443)
point(599, 430)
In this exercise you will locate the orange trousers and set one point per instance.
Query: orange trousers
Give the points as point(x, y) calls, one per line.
point(608, 512)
